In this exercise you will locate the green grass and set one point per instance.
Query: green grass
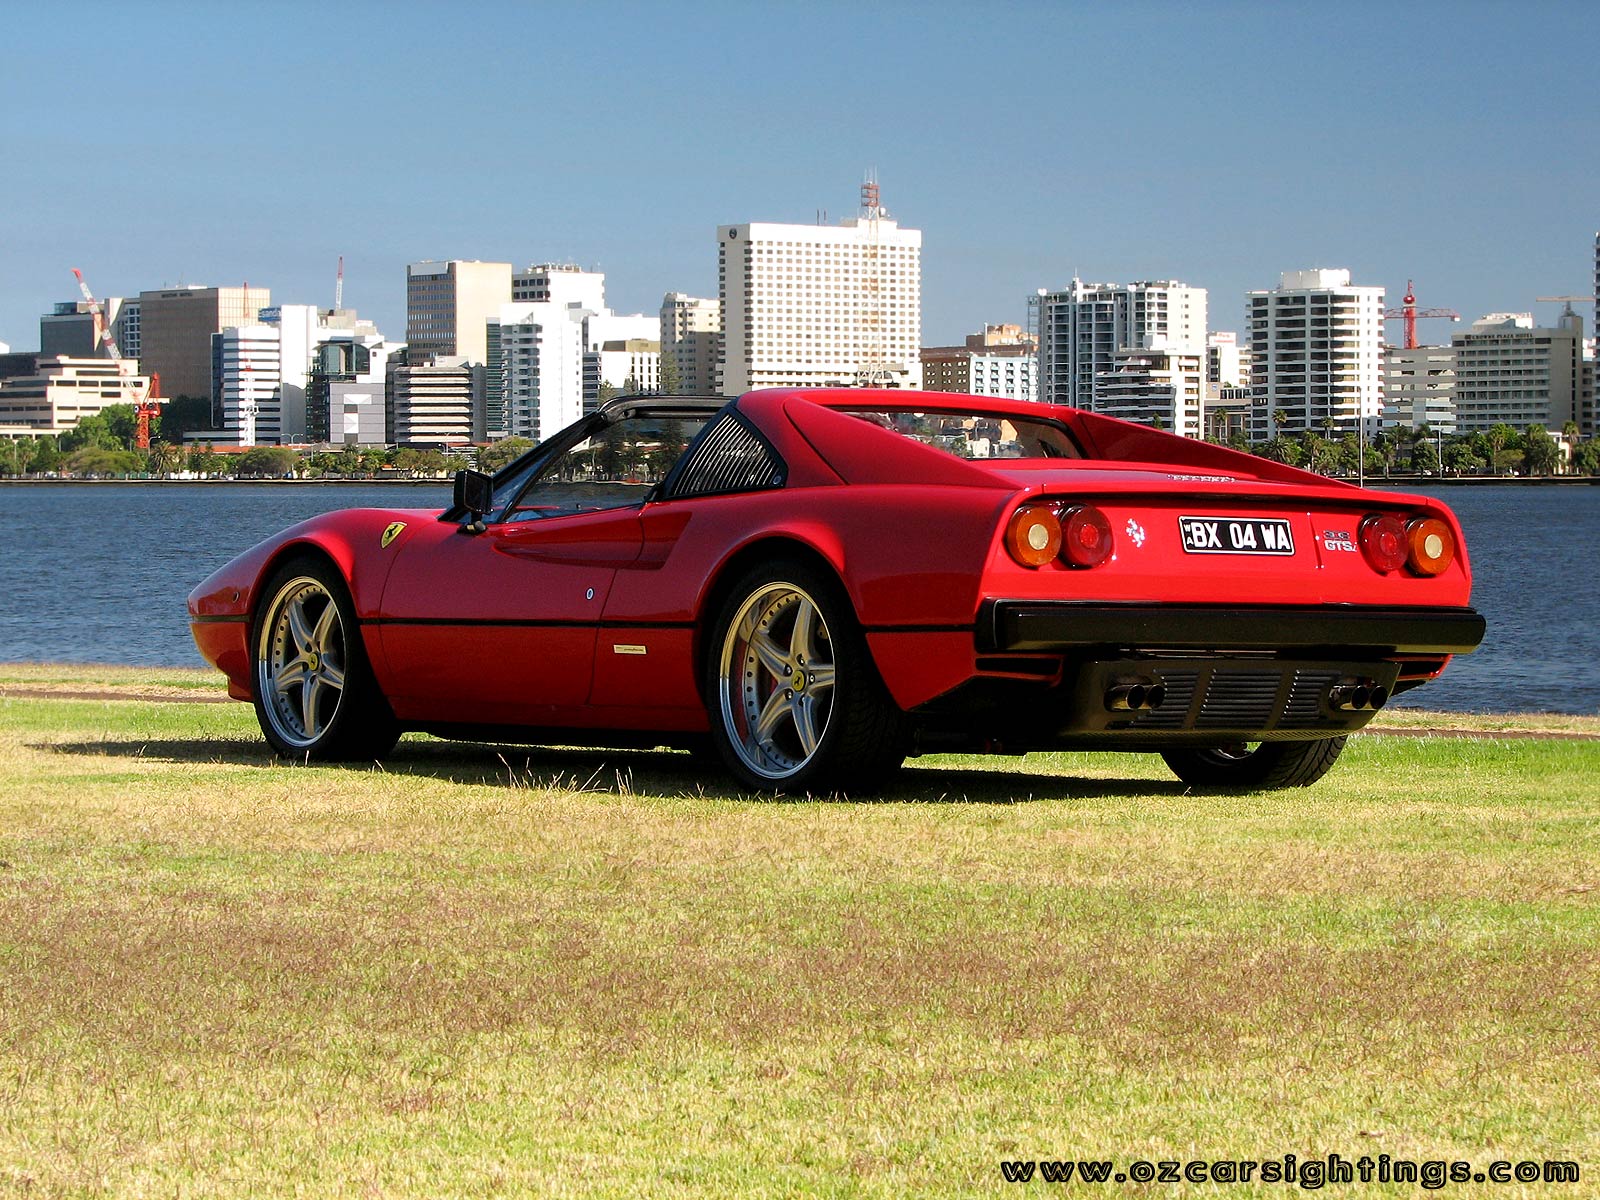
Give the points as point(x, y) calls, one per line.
point(493, 972)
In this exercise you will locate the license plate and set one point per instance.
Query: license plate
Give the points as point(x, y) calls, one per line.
point(1236, 535)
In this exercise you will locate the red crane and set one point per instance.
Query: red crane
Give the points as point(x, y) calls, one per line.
point(1409, 315)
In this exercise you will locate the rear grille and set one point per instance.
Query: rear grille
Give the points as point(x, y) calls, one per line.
point(1174, 710)
point(1239, 698)
point(1304, 708)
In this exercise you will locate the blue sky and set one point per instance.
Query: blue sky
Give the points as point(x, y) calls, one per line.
point(1217, 144)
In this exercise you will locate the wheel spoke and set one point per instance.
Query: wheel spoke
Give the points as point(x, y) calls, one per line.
point(299, 630)
point(771, 656)
point(333, 675)
point(805, 723)
point(819, 677)
point(779, 705)
point(291, 674)
point(326, 624)
point(308, 706)
point(803, 635)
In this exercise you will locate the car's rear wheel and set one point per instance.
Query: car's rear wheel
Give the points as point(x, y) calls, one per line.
point(1247, 766)
point(314, 691)
point(796, 703)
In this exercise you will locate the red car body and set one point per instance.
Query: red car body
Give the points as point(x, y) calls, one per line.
point(605, 622)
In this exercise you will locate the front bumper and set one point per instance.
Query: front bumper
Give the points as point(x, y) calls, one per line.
point(1027, 626)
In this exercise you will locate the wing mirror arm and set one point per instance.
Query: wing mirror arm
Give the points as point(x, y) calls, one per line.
point(475, 493)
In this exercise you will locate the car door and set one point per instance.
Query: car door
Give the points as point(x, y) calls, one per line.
point(497, 624)
point(499, 627)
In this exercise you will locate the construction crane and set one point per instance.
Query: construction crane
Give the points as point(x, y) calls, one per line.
point(1569, 301)
point(1409, 314)
point(146, 404)
point(102, 329)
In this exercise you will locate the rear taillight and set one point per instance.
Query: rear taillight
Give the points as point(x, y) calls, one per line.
point(1383, 541)
point(1085, 537)
point(1430, 546)
point(1033, 534)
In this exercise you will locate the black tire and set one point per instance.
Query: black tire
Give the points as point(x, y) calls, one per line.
point(1268, 765)
point(830, 724)
point(314, 691)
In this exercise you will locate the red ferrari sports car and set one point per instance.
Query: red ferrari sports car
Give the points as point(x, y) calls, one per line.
point(822, 582)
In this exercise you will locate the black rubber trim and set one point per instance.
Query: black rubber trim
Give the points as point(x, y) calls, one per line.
point(232, 619)
point(1064, 625)
point(514, 623)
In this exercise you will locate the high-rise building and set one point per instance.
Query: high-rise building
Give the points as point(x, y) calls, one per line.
point(1158, 384)
point(176, 326)
point(690, 329)
point(1510, 372)
point(1317, 345)
point(436, 404)
point(1082, 327)
point(993, 369)
point(557, 283)
point(448, 306)
point(819, 305)
point(541, 367)
point(1419, 388)
point(249, 386)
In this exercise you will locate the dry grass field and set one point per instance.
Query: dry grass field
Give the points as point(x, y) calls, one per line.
point(485, 972)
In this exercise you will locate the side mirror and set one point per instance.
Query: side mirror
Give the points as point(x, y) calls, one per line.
point(475, 493)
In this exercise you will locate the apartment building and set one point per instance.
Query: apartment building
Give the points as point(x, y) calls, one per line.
point(1158, 384)
point(1317, 346)
point(436, 404)
point(1082, 327)
point(559, 283)
point(819, 305)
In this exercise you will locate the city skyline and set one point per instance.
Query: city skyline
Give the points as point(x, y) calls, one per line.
point(1030, 143)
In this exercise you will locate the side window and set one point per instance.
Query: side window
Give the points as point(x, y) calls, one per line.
point(732, 457)
point(617, 467)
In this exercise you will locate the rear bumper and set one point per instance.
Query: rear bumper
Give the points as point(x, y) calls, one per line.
point(1035, 626)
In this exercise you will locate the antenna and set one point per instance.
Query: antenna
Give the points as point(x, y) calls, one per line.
point(874, 371)
point(338, 287)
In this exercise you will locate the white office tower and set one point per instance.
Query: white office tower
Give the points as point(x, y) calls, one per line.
point(1082, 327)
point(820, 305)
point(1509, 372)
point(690, 329)
point(622, 352)
point(1158, 384)
point(1419, 388)
point(558, 283)
point(1317, 343)
point(249, 381)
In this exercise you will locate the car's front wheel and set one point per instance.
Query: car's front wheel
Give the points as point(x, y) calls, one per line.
point(1246, 767)
point(796, 702)
point(315, 695)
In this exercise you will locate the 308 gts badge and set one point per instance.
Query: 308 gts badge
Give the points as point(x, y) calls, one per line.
point(393, 531)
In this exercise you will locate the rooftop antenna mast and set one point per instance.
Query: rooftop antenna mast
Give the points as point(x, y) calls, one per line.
point(338, 286)
point(874, 370)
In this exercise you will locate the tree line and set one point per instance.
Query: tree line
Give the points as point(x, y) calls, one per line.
point(102, 446)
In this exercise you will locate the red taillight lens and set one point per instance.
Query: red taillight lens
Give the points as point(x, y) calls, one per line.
point(1034, 535)
point(1086, 536)
point(1430, 546)
point(1383, 541)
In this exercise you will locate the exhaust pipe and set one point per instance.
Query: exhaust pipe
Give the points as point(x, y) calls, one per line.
point(1135, 697)
point(1358, 695)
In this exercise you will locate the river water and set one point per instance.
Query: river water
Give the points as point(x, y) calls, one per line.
point(99, 573)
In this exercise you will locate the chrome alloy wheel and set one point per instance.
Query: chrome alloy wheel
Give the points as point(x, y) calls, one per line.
point(300, 662)
point(775, 680)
